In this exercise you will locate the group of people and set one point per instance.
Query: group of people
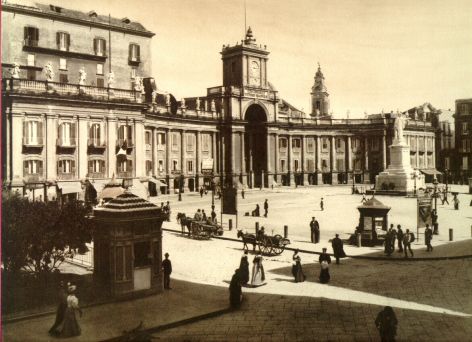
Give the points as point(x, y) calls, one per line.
point(66, 324)
point(404, 240)
point(200, 215)
point(256, 212)
point(241, 277)
point(166, 209)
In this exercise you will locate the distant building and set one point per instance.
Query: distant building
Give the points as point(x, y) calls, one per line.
point(446, 162)
point(70, 127)
point(463, 125)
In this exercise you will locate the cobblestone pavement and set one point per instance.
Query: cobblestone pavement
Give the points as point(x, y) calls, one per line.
point(264, 317)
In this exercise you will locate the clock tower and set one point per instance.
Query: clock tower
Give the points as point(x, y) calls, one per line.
point(245, 64)
point(319, 96)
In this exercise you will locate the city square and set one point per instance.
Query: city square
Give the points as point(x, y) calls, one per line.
point(302, 183)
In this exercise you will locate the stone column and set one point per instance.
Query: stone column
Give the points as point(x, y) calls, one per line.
point(276, 162)
point(366, 161)
point(384, 151)
point(268, 168)
point(183, 165)
point(349, 170)
point(111, 145)
point(319, 175)
point(251, 171)
point(140, 158)
point(82, 165)
point(334, 173)
point(289, 162)
point(49, 138)
point(417, 152)
point(303, 161)
point(243, 161)
point(168, 162)
point(434, 152)
point(213, 153)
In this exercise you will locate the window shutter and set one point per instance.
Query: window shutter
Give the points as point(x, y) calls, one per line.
point(36, 34)
point(101, 132)
point(40, 167)
point(59, 171)
point(90, 166)
point(40, 132)
point(67, 41)
point(130, 51)
point(138, 54)
point(104, 52)
point(129, 136)
point(58, 39)
point(25, 132)
point(25, 168)
point(95, 43)
point(72, 166)
point(102, 166)
point(59, 132)
point(26, 32)
point(73, 127)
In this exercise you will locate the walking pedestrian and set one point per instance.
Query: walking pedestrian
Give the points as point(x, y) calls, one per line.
point(428, 236)
point(321, 204)
point(244, 269)
point(242, 193)
point(408, 238)
point(434, 221)
point(61, 309)
point(266, 208)
point(167, 268)
point(235, 292)
point(204, 216)
point(317, 232)
point(386, 323)
point(400, 238)
point(456, 202)
point(393, 236)
point(445, 198)
point(297, 270)
point(338, 249)
point(258, 275)
point(324, 261)
point(70, 325)
point(314, 225)
point(201, 191)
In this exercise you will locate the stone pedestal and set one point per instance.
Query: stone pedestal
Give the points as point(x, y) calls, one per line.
point(399, 176)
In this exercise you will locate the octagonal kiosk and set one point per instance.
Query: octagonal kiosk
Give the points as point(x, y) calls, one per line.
point(373, 221)
point(128, 246)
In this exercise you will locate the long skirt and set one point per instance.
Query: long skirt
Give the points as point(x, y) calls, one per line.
point(324, 276)
point(70, 327)
point(299, 275)
point(257, 276)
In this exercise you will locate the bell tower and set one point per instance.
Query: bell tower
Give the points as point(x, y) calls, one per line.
point(245, 64)
point(319, 96)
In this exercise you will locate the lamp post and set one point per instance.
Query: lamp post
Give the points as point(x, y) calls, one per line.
point(435, 183)
point(212, 194)
point(446, 172)
point(415, 176)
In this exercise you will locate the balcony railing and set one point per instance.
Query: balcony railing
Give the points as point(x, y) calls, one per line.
point(34, 178)
point(66, 176)
point(124, 174)
point(96, 175)
point(70, 142)
point(69, 89)
point(120, 142)
point(33, 141)
point(97, 143)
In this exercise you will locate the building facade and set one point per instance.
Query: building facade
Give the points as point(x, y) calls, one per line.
point(61, 132)
point(463, 128)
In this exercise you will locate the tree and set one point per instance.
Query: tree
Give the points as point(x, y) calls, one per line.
point(38, 236)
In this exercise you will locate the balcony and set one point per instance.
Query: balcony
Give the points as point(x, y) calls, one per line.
point(32, 45)
point(66, 176)
point(68, 90)
point(96, 175)
point(124, 174)
point(96, 143)
point(34, 178)
point(124, 142)
point(66, 143)
point(134, 60)
point(33, 141)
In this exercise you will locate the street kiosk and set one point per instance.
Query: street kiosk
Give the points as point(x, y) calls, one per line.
point(128, 246)
point(373, 221)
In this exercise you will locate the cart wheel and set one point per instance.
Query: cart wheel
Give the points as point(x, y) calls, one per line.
point(278, 249)
point(267, 247)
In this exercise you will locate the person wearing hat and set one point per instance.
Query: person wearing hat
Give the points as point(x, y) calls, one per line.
point(70, 326)
point(338, 249)
point(314, 230)
point(266, 208)
point(167, 268)
point(244, 269)
point(61, 308)
point(386, 323)
point(324, 261)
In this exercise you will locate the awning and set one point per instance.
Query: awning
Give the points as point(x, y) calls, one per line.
point(99, 184)
point(111, 192)
point(69, 187)
point(431, 172)
point(157, 182)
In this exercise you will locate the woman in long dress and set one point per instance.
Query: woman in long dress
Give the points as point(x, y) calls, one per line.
point(235, 293)
point(324, 261)
point(244, 269)
point(70, 326)
point(258, 275)
point(297, 270)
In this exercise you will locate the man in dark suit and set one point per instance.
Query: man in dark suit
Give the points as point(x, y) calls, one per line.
point(338, 249)
point(167, 268)
point(266, 208)
point(315, 230)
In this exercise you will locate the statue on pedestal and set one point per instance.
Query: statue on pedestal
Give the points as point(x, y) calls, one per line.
point(399, 125)
point(49, 72)
point(138, 84)
point(212, 106)
point(182, 103)
point(15, 71)
point(167, 100)
point(82, 76)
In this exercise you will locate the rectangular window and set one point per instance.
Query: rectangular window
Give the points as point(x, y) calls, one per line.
point(296, 143)
point(310, 165)
point(33, 133)
point(310, 145)
point(296, 164)
point(66, 166)
point(66, 134)
point(96, 166)
point(31, 74)
point(282, 165)
point(324, 143)
point(63, 78)
point(147, 138)
point(63, 41)
point(205, 142)
point(31, 36)
point(100, 83)
point(125, 166)
point(149, 167)
point(282, 143)
point(33, 167)
point(161, 165)
point(31, 60)
point(161, 141)
point(125, 135)
point(62, 64)
point(464, 128)
point(99, 46)
point(175, 164)
point(464, 109)
point(189, 166)
point(190, 142)
point(99, 69)
point(175, 142)
point(134, 53)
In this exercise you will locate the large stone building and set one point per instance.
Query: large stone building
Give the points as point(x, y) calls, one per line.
point(463, 129)
point(62, 129)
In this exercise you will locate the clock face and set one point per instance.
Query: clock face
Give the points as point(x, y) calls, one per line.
point(254, 73)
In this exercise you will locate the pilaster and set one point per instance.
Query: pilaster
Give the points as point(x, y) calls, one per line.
point(82, 136)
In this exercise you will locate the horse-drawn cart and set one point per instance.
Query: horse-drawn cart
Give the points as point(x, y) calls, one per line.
point(266, 244)
point(201, 230)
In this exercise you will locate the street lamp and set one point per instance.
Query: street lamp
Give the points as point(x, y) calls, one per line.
point(415, 176)
point(435, 183)
point(212, 194)
point(446, 172)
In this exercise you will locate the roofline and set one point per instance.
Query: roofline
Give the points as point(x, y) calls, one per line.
point(462, 100)
point(28, 11)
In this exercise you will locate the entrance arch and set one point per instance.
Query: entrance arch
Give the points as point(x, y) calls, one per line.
point(255, 143)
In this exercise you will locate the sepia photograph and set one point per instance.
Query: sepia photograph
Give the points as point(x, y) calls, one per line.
point(236, 170)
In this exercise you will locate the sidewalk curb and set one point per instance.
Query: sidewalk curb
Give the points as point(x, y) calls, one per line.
point(365, 257)
point(176, 324)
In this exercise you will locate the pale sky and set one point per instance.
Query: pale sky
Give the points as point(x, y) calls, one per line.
point(392, 54)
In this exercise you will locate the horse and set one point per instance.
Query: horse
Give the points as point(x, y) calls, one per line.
point(184, 222)
point(247, 238)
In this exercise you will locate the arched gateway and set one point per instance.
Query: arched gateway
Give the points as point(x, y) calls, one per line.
point(255, 144)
